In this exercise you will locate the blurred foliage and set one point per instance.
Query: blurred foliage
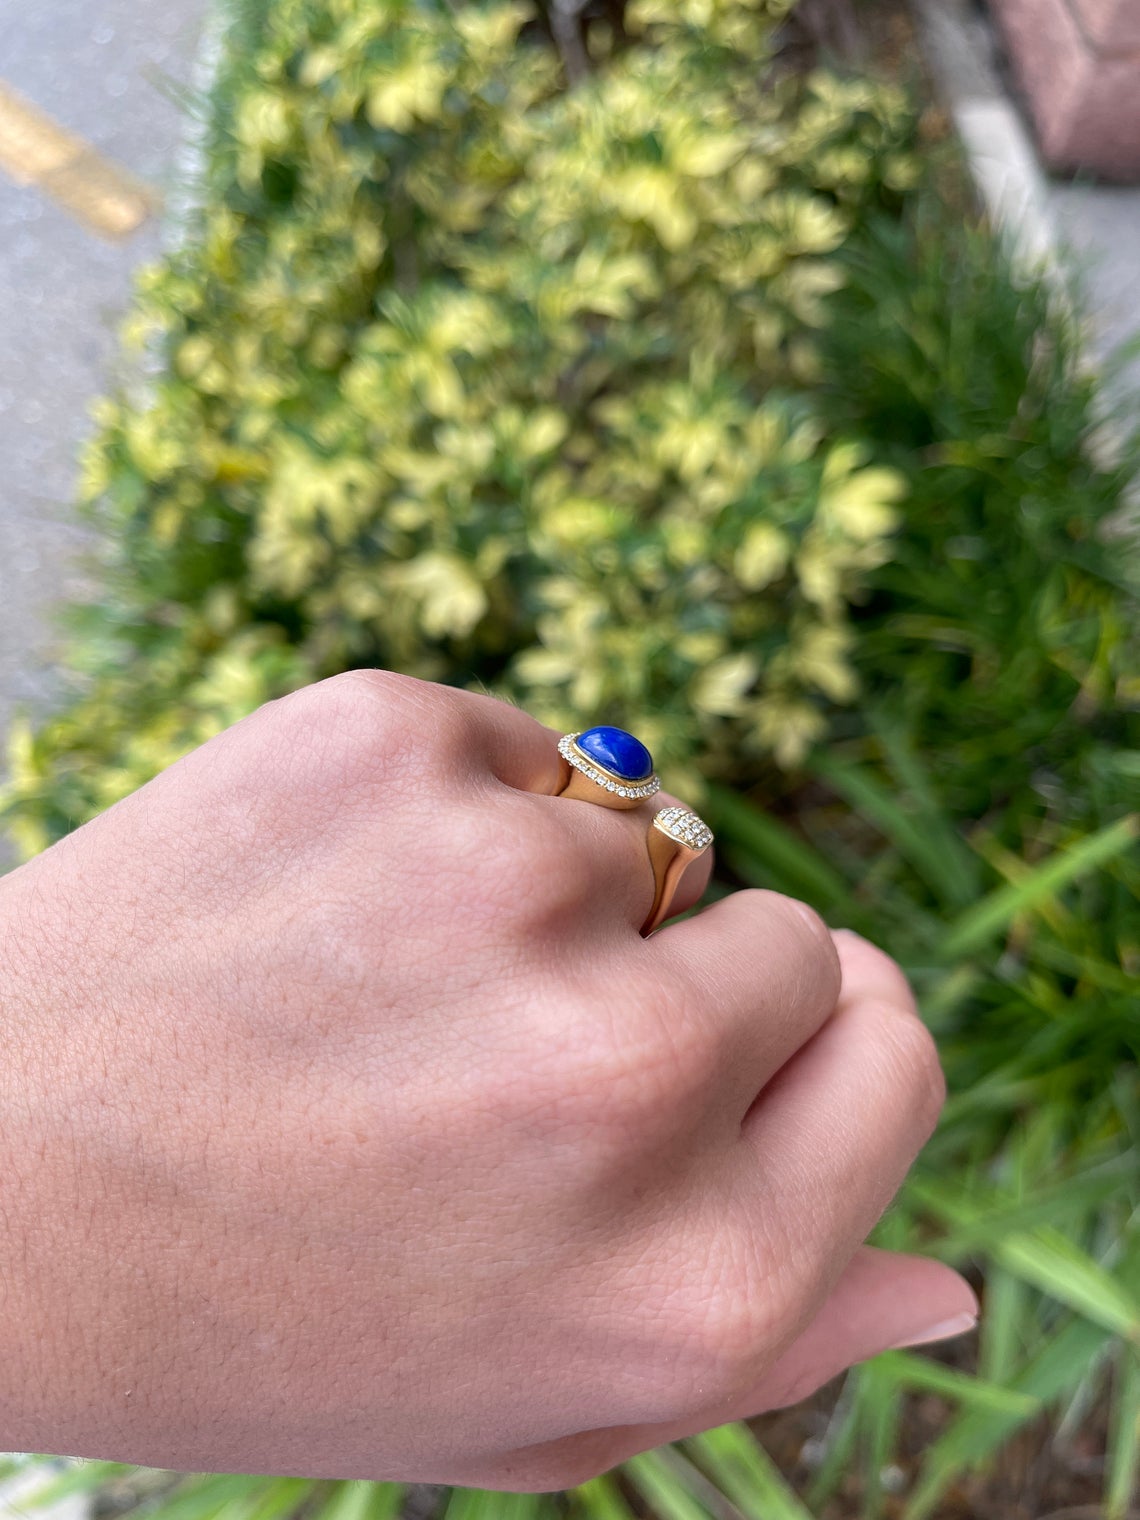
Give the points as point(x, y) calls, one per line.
point(494, 382)
point(687, 399)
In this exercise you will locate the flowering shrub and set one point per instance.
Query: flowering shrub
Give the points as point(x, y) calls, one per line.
point(498, 382)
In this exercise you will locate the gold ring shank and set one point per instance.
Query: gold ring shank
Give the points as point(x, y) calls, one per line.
point(670, 857)
point(582, 789)
point(675, 835)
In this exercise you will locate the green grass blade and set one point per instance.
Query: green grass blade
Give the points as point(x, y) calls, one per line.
point(1124, 1440)
point(839, 1440)
point(977, 1434)
point(923, 837)
point(476, 1504)
point(979, 1225)
point(907, 1370)
point(788, 864)
point(962, 866)
point(359, 1500)
point(202, 1496)
point(656, 1480)
point(600, 1499)
point(979, 924)
point(468, 1504)
point(740, 1466)
point(1050, 1261)
point(882, 1422)
point(83, 1477)
point(998, 1329)
point(280, 1497)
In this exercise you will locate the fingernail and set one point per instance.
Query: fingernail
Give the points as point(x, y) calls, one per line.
point(957, 1324)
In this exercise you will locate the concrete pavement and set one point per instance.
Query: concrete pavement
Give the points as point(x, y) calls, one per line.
point(1094, 229)
point(102, 69)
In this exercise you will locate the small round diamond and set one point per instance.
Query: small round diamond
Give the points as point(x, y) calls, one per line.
point(684, 826)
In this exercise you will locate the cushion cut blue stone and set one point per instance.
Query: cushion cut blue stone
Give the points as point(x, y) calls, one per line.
point(618, 751)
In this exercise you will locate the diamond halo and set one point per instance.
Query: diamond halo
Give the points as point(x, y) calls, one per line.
point(611, 783)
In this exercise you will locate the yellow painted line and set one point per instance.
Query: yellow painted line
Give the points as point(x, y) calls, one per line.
point(34, 150)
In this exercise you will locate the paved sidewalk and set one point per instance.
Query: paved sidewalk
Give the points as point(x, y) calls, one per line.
point(1095, 229)
point(1100, 224)
point(100, 68)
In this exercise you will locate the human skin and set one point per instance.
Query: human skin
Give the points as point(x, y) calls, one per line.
point(349, 1128)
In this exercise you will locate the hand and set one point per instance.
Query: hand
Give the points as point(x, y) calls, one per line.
point(348, 1127)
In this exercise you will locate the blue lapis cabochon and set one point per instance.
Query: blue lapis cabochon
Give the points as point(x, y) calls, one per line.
point(618, 751)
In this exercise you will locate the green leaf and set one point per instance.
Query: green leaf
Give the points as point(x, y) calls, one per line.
point(1049, 1261)
point(789, 865)
point(839, 1442)
point(200, 1497)
point(475, 1504)
point(600, 1499)
point(359, 1500)
point(1006, 1297)
point(741, 1467)
point(81, 1477)
point(881, 1412)
point(279, 1497)
point(656, 1480)
point(1124, 1439)
point(980, 1222)
point(977, 1433)
point(922, 836)
point(907, 1370)
point(978, 925)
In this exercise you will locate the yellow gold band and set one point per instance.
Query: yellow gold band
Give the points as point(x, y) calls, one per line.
point(675, 835)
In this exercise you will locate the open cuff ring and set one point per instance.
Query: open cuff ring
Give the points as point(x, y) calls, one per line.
point(610, 767)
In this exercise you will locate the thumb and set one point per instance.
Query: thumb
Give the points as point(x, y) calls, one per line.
point(883, 1300)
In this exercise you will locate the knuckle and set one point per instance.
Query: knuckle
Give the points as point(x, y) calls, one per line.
point(339, 746)
point(354, 697)
point(383, 714)
point(628, 1088)
point(869, 965)
point(804, 931)
point(915, 1053)
point(651, 1065)
point(323, 729)
point(723, 1334)
point(801, 919)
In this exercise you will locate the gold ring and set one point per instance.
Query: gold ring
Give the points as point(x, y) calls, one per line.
point(608, 766)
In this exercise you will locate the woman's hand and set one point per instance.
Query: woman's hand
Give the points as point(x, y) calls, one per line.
point(348, 1127)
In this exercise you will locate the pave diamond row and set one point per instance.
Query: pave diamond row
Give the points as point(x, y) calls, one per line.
point(622, 789)
point(684, 826)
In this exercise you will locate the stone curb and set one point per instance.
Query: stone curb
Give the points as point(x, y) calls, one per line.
point(1000, 152)
point(958, 48)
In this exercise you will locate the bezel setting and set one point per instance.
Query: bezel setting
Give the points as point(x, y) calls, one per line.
point(608, 780)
